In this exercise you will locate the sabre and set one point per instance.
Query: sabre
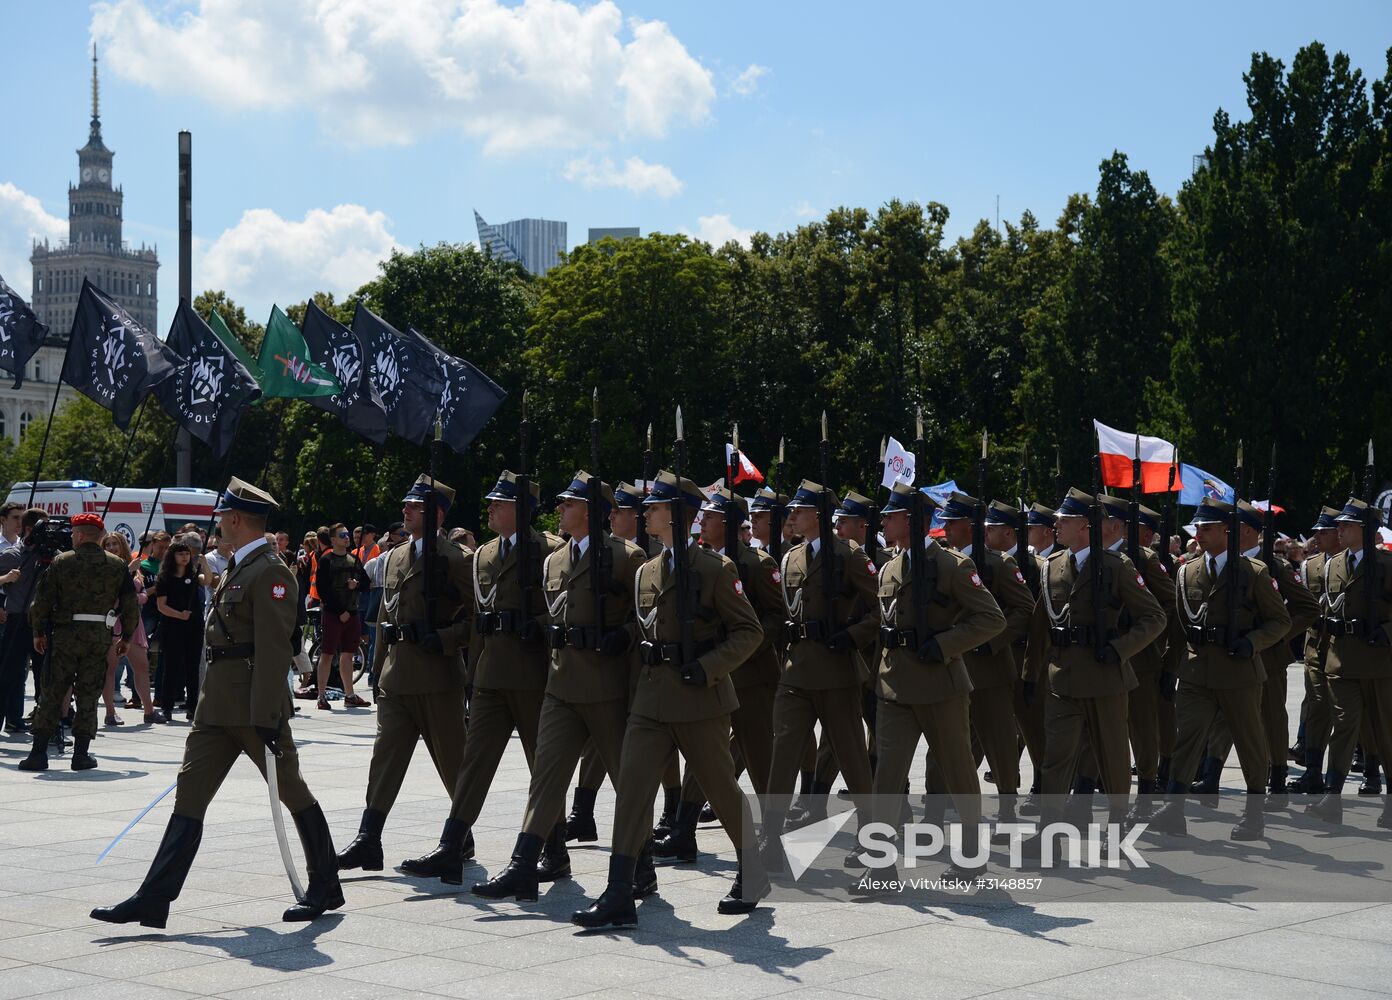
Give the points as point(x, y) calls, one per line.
point(273, 789)
point(138, 817)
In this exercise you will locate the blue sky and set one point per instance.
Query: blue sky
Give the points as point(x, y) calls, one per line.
point(322, 139)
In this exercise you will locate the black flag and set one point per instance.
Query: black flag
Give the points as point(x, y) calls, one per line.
point(406, 375)
point(469, 400)
point(340, 350)
point(21, 333)
point(207, 394)
point(112, 359)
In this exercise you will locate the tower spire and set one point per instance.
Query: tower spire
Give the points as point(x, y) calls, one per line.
point(96, 113)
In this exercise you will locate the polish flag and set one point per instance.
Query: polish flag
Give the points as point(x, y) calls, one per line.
point(1117, 449)
point(746, 473)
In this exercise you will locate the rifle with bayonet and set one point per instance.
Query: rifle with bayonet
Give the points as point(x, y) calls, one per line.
point(827, 537)
point(1371, 588)
point(681, 537)
point(978, 541)
point(1167, 518)
point(1028, 567)
point(431, 528)
point(1133, 510)
point(598, 554)
point(732, 523)
point(1268, 549)
point(872, 520)
point(1095, 560)
point(775, 542)
point(524, 521)
point(918, 534)
point(642, 539)
point(1234, 552)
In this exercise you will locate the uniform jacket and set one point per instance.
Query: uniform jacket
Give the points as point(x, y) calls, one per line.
point(406, 668)
point(724, 621)
point(1166, 652)
point(1312, 574)
point(580, 674)
point(1352, 656)
point(1262, 619)
point(84, 581)
point(811, 663)
point(993, 663)
point(505, 660)
point(254, 603)
point(1132, 619)
point(1304, 611)
point(761, 585)
point(961, 615)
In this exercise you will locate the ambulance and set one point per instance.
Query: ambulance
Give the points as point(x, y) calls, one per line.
point(130, 510)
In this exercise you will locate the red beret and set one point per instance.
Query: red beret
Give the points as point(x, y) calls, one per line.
point(88, 520)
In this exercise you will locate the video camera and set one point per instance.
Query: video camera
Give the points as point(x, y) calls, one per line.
point(50, 537)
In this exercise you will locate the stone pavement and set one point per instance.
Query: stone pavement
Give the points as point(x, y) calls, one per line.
point(401, 937)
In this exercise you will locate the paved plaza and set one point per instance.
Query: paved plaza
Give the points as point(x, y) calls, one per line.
point(400, 937)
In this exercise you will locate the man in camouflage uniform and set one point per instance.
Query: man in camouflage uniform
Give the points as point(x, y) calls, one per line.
point(75, 599)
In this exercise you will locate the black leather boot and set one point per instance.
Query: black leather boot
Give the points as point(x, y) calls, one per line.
point(1078, 810)
point(644, 873)
point(1210, 771)
point(1145, 801)
point(324, 891)
point(1252, 824)
point(1330, 808)
point(707, 814)
point(751, 885)
point(680, 842)
point(1029, 805)
point(519, 878)
point(555, 859)
point(82, 759)
point(1169, 818)
point(811, 804)
point(1276, 797)
point(614, 907)
point(580, 824)
point(1162, 774)
point(38, 754)
point(446, 862)
point(1372, 776)
point(150, 904)
point(365, 851)
point(671, 798)
point(1312, 781)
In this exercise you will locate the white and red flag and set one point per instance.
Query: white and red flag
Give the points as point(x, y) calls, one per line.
point(1118, 448)
point(746, 473)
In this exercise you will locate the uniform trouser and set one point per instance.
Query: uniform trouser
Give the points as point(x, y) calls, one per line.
point(493, 714)
point(402, 719)
point(1166, 726)
point(564, 730)
point(76, 659)
point(1030, 720)
point(826, 767)
point(1068, 721)
point(752, 736)
point(796, 711)
point(1197, 709)
point(1143, 721)
point(209, 754)
point(946, 725)
point(1319, 709)
point(16, 650)
point(1356, 704)
point(592, 770)
point(1275, 723)
point(181, 647)
point(647, 747)
point(993, 721)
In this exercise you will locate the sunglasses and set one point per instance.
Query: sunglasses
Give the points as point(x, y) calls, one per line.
point(343, 534)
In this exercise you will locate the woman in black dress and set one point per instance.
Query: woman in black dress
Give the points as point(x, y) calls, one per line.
point(178, 599)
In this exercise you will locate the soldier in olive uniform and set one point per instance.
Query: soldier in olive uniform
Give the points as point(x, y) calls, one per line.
point(510, 661)
point(243, 708)
point(1319, 710)
point(1089, 674)
point(1223, 670)
point(75, 598)
point(923, 683)
point(1304, 612)
point(1039, 527)
point(992, 666)
point(586, 697)
point(821, 677)
point(1358, 662)
point(755, 680)
point(684, 699)
point(580, 824)
point(421, 683)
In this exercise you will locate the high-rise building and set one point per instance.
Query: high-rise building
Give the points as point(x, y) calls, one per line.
point(616, 232)
point(538, 244)
point(95, 250)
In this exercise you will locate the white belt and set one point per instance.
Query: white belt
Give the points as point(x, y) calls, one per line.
point(107, 619)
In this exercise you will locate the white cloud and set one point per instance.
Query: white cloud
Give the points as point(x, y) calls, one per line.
point(540, 74)
point(748, 81)
point(717, 230)
point(266, 259)
point(637, 176)
point(22, 221)
point(804, 209)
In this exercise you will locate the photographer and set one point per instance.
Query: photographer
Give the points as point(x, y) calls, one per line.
point(15, 648)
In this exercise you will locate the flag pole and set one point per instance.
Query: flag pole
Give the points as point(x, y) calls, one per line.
point(53, 408)
point(125, 454)
point(159, 487)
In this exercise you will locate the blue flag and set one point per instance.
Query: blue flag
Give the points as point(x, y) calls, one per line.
point(1199, 484)
point(939, 493)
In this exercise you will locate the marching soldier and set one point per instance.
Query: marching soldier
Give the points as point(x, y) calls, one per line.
point(821, 678)
point(1359, 658)
point(510, 662)
point(580, 824)
point(1319, 715)
point(680, 705)
point(1088, 652)
point(421, 683)
point(1042, 530)
point(75, 598)
point(755, 680)
point(1039, 527)
point(991, 666)
point(587, 686)
point(244, 708)
point(922, 681)
point(1223, 671)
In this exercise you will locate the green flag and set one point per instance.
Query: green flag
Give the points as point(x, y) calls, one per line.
point(285, 366)
point(238, 349)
